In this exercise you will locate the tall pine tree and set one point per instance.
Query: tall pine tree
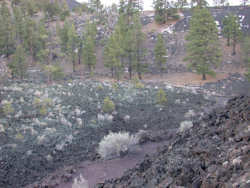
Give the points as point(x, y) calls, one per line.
point(231, 30)
point(89, 46)
point(160, 53)
point(7, 34)
point(139, 50)
point(18, 64)
point(113, 54)
point(246, 55)
point(202, 43)
point(72, 46)
point(160, 7)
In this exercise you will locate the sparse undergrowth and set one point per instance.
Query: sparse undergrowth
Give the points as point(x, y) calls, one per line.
point(116, 144)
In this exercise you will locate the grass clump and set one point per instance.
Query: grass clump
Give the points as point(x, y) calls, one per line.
point(108, 105)
point(116, 144)
point(137, 83)
point(7, 108)
point(161, 98)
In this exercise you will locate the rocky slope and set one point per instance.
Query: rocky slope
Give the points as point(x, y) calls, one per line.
point(214, 153)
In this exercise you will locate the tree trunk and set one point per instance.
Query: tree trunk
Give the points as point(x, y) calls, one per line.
point(130, 67)
point(204, 77)
point(140, 75)
point(112, 72)
point(228, 40)
point(79, 58)
point(74, 66)
point(234, 48)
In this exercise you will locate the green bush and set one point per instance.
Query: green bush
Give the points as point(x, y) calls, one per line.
point(108, 105)
point(137, 83)
point(54, 72)
point(7, 108)
point(42, 105)
point(161, 97)
point(43, 110)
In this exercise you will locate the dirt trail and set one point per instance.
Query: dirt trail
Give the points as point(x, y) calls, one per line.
point(99, 171)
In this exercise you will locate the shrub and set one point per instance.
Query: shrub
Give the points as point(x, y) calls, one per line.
point(43, 110)
point(7, 108)
point(185, 125)
point(161, 97)
point(42, 105)
point(108, 105)
point(115, 86)
point(115, 144)
point(80, 182)
point(37, 102)
point(137, 83)
point(54, 72)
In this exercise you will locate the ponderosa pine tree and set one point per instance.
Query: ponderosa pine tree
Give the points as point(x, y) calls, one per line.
point(89, 46)
point(113, 54)
point(200, 3)
point(236, 33)
point(246, 50)
point(203, 50)
point(128, 10)
point(19, 23)
point(72, 46)
point(29, 7)
point(140, 50)
point(18, 64)
point(160, 53)
point(231, 30)
point(246, 55)
point(7, 34)
point(29, 36)
point(63, 35)
point(160, 7)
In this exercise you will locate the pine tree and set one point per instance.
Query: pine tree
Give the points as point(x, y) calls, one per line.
point(200, 3)
point(236, 33)
point(246, 55)
point(231, 30)
point(72, 46)
point(63, 35)
point(140, 50)
point(7, 34)
point(160, 7)
point(51, 9)
point(29, 7)
point(246, 50)
point(113, 54)
point(18, 65)
point(29, 36)
point(160, 53)
point(89, 46)
point(202, 43)
point(19, 20)
point(96, 6)
point(182, 3)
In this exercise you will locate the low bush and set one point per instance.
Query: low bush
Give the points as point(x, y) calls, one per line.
point(185, 125)
point(137, 83)
point(7, 108)
point(161, 97)
point(116, 144)
point(108, 105)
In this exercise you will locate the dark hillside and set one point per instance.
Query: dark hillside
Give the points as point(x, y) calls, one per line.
point(215, 153)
